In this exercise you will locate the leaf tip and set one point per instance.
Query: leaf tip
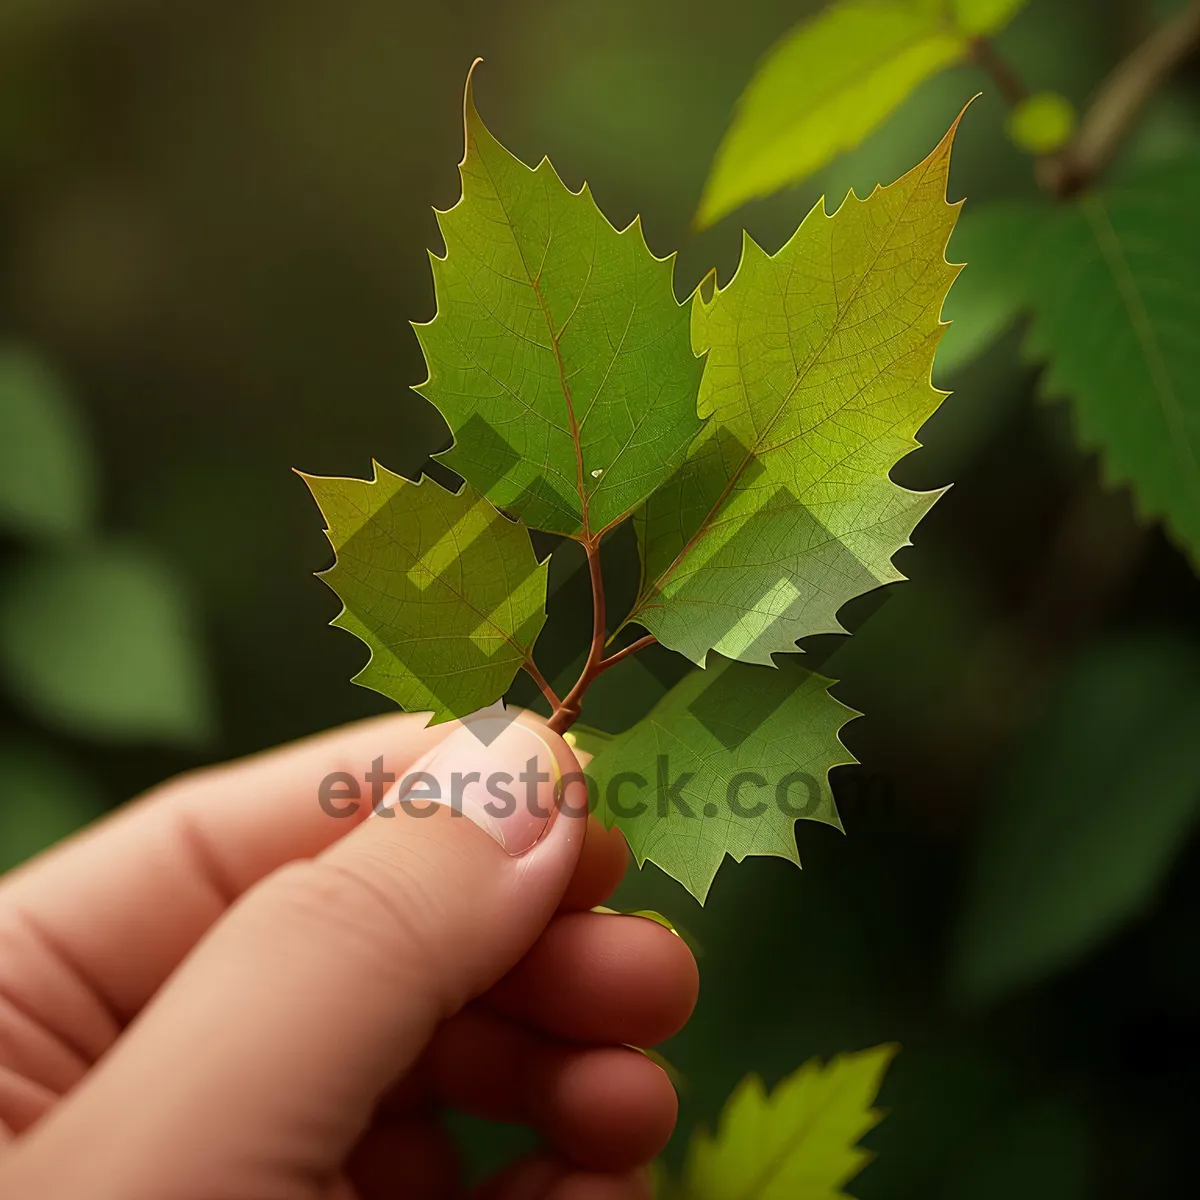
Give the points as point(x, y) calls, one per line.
point(469, 104)
point(943, 148)
point(312, 482)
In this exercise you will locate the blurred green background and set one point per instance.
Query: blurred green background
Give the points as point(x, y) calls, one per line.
point(213, 224)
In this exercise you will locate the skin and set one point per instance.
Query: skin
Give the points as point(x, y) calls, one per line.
point(223, 992)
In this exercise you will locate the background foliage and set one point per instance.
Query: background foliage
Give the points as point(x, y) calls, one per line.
point(211, 227)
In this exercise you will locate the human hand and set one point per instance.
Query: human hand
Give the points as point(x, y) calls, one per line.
point(224, 991)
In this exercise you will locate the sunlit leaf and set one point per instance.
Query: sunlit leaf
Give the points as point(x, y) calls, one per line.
point(445, 591)
point(831, 80)
point(1088, 817)
point(47, 483)
point(816, 380)
point(100, 642)
point(559, 355)
point(1116, 313)
point(798, 1142)
point(725, 764)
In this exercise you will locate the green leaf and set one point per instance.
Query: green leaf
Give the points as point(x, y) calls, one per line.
point(42, 801)
point(1116, 312)
point(47, 483)
point(559, 355)
point(1087, 820)
point(816, 381)
point(445, 591)
point(800, 1141)
point(830, 81)
point(725, 763)
point(1042, 123)
point(100, 642)
point(998, 245)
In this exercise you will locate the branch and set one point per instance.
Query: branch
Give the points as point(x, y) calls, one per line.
point(1120, 99)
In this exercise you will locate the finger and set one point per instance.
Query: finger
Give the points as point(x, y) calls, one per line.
point(594, 977)
point(417, 1160)
point(601, 867)
point(160, 872)
point(544, 1178)
point(323, 984)
point(608, 1108)
point(21, 1100)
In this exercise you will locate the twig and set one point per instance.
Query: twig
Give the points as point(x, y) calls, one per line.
point(567, 711)
point(632, 648)
point(1121, 97)
point(1005, 78)
point(551, 695)
point(1130, 84)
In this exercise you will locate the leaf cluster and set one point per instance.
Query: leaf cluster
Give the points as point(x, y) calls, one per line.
point(747, 435)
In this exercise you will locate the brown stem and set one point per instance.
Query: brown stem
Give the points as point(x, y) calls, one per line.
point(1132, 82)
point(632, 648)
point(566, 711)
point(1005, 78)
point(551, 695)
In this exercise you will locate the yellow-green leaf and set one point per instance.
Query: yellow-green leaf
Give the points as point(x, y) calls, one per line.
point(816, 380)
point(797, 1143)
point(559, 355)
point(830, 81)
point(446, 591)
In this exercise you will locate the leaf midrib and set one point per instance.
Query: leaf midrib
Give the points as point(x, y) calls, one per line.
point(555, 348)
point(776, 1164)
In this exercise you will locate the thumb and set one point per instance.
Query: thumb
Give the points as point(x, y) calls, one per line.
point(263, 1057)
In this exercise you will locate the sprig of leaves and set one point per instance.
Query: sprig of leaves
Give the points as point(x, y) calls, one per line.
point(1108, 273)
point(748, 433)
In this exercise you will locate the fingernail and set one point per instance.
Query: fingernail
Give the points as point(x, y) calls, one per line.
point(496, 772)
